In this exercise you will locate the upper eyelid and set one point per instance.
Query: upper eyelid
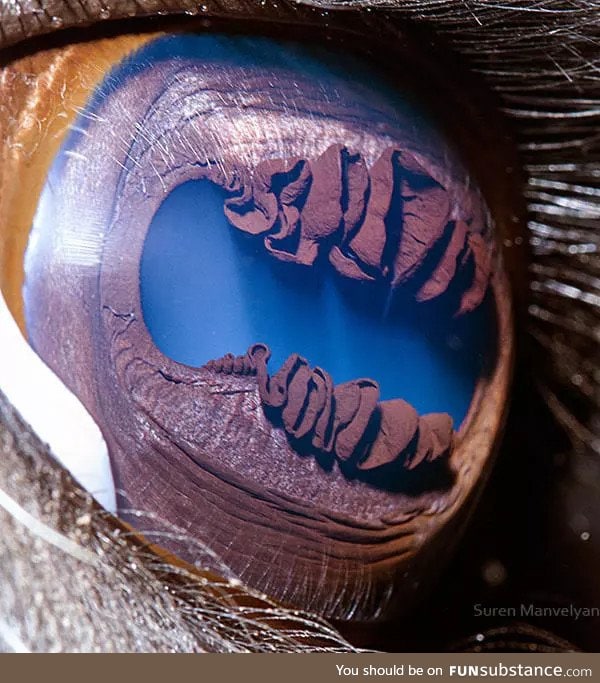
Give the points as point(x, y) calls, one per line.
point(44, 17)
point(18, 22)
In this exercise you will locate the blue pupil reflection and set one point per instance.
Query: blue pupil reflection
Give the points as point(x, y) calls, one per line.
point(208, 289)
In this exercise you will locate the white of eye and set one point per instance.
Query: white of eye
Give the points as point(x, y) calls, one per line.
point(54, 413)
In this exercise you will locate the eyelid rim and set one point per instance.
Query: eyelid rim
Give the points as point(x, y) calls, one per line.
point(54, 413)
point(42, 18)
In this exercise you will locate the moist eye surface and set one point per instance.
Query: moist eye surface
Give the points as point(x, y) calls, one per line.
point(272, 281)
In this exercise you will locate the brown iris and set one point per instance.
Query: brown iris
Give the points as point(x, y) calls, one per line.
point(219, 452)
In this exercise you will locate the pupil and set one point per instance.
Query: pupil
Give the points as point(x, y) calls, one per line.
point(208, 289)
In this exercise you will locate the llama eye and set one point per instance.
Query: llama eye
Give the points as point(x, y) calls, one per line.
point(273, 282)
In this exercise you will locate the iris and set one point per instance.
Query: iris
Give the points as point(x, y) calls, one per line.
point(274, 284)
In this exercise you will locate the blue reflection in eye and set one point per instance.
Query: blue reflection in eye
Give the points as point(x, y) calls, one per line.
point(207, 289)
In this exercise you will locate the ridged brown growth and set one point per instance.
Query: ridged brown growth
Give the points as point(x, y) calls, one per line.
point(376, 223)
point(347, 421)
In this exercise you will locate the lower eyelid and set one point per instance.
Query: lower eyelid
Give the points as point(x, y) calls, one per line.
point(54, 413)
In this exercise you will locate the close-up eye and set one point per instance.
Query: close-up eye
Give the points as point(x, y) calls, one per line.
point(268, 278)
point(292, 317)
